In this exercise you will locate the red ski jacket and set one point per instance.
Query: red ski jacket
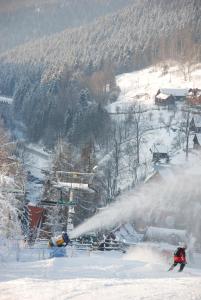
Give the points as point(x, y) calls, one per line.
point(180, 256)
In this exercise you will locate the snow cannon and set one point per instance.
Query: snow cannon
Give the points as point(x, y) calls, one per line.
point(58, 244)
point(59, 241)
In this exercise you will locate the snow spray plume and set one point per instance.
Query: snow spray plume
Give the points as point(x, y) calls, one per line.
point(146, 253)
point(178, 194)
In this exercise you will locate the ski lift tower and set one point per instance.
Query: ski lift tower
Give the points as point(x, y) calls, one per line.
point(71, 182)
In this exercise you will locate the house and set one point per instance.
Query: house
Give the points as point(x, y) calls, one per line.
point(164, 99)
point(194, 96)
point(159, 153)
point(178, 94)
point(170, 95)
point(195, 125)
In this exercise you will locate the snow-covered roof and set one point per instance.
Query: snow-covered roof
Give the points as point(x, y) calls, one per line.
point(150, 176)
point(75, 186)
point(6, 100)
point(175, 92)
point(127, 234)
point(162, 96)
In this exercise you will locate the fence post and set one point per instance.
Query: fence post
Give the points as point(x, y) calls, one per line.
point(88, 251)
point(17, 251)
point(72, 251)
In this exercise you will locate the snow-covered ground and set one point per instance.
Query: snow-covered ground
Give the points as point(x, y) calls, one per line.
point(163, 125)
point(142, 86)
point(139, 275)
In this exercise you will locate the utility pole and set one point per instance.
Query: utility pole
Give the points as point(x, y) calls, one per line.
point(187, 133)
point(71, 212)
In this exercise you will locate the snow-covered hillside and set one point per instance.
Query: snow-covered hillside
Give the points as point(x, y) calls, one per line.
point(164, 132)
point(110, 276)
point(141, 273)
point(142, 86)
point(162, 200)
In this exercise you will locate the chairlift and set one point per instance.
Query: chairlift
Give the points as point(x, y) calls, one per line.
point(70, 181)
point(74, 180)
point(61, 202)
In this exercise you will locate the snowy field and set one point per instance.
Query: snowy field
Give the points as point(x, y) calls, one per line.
point(138, 275)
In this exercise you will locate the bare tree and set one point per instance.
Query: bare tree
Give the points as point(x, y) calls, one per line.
point(140, 126)
point(168, 123)
point(117, 151)
point(128, 139)
point(186, 127)
point(187, 53)
point(187, 132)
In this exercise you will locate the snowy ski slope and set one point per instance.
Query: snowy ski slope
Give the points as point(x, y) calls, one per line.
point(101, 276)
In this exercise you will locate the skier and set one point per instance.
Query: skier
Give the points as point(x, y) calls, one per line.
point(59, 241)
point(179, 258)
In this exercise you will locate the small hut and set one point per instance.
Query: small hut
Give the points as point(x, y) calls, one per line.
point(164, 99)
point(195, 125)
point(177, 94)
point(160, 153)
